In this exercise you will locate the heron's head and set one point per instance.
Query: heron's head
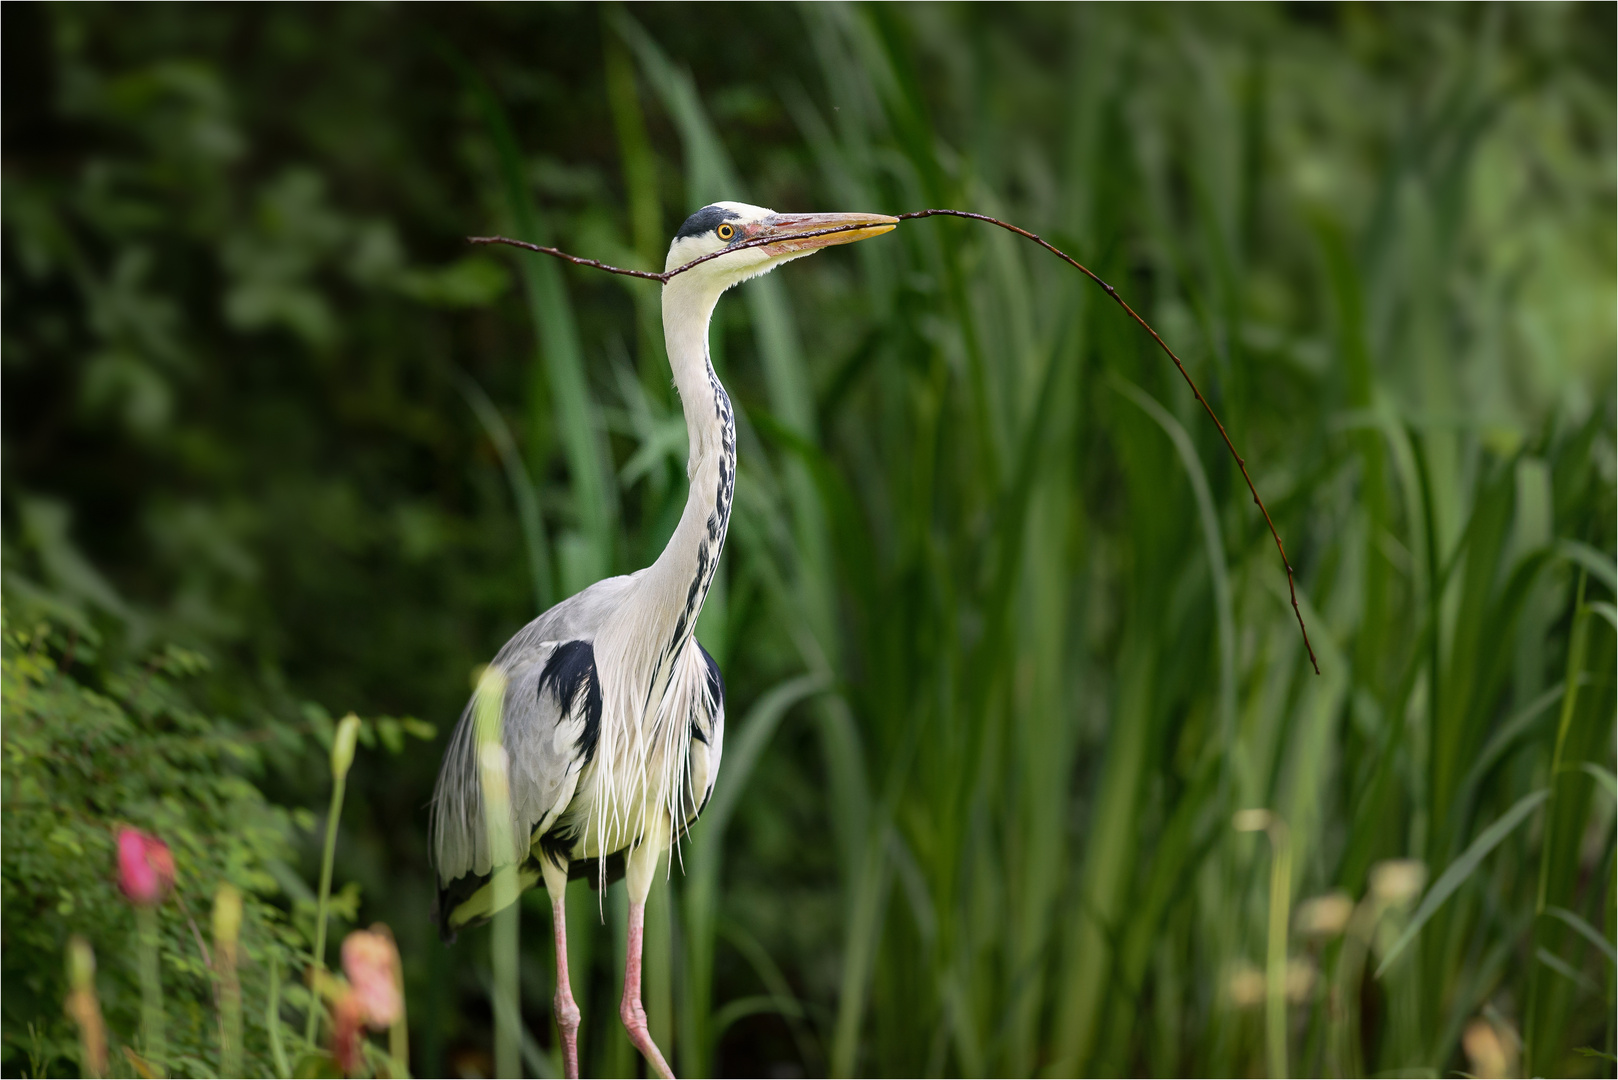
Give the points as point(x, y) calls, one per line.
point(729, 224)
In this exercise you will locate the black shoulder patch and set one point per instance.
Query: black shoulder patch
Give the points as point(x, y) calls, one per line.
point(570, 671)
point(558, 848)
point(716, 681)
point(704, 220)
point(451, 896)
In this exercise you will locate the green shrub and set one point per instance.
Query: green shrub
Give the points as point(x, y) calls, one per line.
point(92, 744)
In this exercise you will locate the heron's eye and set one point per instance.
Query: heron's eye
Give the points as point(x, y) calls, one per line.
point(725, 232)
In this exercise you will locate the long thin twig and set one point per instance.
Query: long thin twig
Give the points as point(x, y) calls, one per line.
point(763, 241)
point(576, 260)
point(1240, 462)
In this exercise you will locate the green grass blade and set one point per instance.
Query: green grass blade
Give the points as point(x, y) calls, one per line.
point(777, 987)
point(1600, 565)
point(1462, 868)
point(753, 1006)
point(1568, 971)
point(522, 487)
point(561, 356)
point(1606, 611)
point(1215, 545)
point(861, 943)
point(640, 174)
point(1515, 727)
point(1604, 777)
point(1109, 862)
point(1586, 931)
point(742, 753)
point(704, 859)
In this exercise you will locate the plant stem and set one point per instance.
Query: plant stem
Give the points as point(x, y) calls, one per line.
point(1577, 644)
point(507, 1020)
point(1275, 962)
point(399, 1047)
point(227, 921)
point(151, 990)
point(1578, 641)
point(332, 815)
point(495, 783)
point(399, 1033)
point(272, 1018)
point(84, 1008)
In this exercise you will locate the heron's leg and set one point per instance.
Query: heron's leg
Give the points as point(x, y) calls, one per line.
point(640, 865)
point(566, 1009)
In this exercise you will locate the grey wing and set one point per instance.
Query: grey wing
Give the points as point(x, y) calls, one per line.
point(551, 721)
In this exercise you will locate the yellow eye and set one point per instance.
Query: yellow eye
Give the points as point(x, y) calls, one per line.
point(725, 232)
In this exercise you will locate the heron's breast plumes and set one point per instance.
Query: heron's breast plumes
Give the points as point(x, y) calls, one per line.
point(653, 771)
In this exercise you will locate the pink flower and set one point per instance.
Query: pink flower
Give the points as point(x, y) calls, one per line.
point(347, 1041)
point(371, 962)
point(145, 867)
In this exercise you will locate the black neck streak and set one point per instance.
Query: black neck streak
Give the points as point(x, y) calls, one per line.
point(713, 541)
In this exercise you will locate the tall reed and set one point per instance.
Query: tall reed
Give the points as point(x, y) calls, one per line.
point(342, 759)
point(494, 781)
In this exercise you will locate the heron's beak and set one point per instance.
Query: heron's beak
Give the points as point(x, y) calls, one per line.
point(791, 230)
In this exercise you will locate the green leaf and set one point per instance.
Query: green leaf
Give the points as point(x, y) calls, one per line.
point(733, 1011)
point(1512, 729)
point(1461, 869)
point(1209, 518)
point(1586, 931)
point(1568, 971)
point(1603, 777)
point(1606, 611)
point(472, 281)
point(1598, 563)
point(316, 1064)
point(521, 484)
point(419, 729)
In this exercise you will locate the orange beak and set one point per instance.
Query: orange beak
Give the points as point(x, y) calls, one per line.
point(791, 230)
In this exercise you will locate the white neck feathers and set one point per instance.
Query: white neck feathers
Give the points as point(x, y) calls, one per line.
point(677, 583)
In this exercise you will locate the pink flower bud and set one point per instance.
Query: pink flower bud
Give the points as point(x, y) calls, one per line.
point(371, 962)
point(347, 1040)
point(145, 867)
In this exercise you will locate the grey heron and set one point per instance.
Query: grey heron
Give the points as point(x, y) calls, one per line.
point(613, 716)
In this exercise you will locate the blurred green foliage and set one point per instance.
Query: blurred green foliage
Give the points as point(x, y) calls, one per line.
point(92, 745)
point(1007, 645)
point(100, 736)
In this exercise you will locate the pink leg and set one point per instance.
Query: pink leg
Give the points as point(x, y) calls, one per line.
point(567, 1010)
point(631, 1011)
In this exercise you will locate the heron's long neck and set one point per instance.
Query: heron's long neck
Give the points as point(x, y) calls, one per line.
point(680, 578)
